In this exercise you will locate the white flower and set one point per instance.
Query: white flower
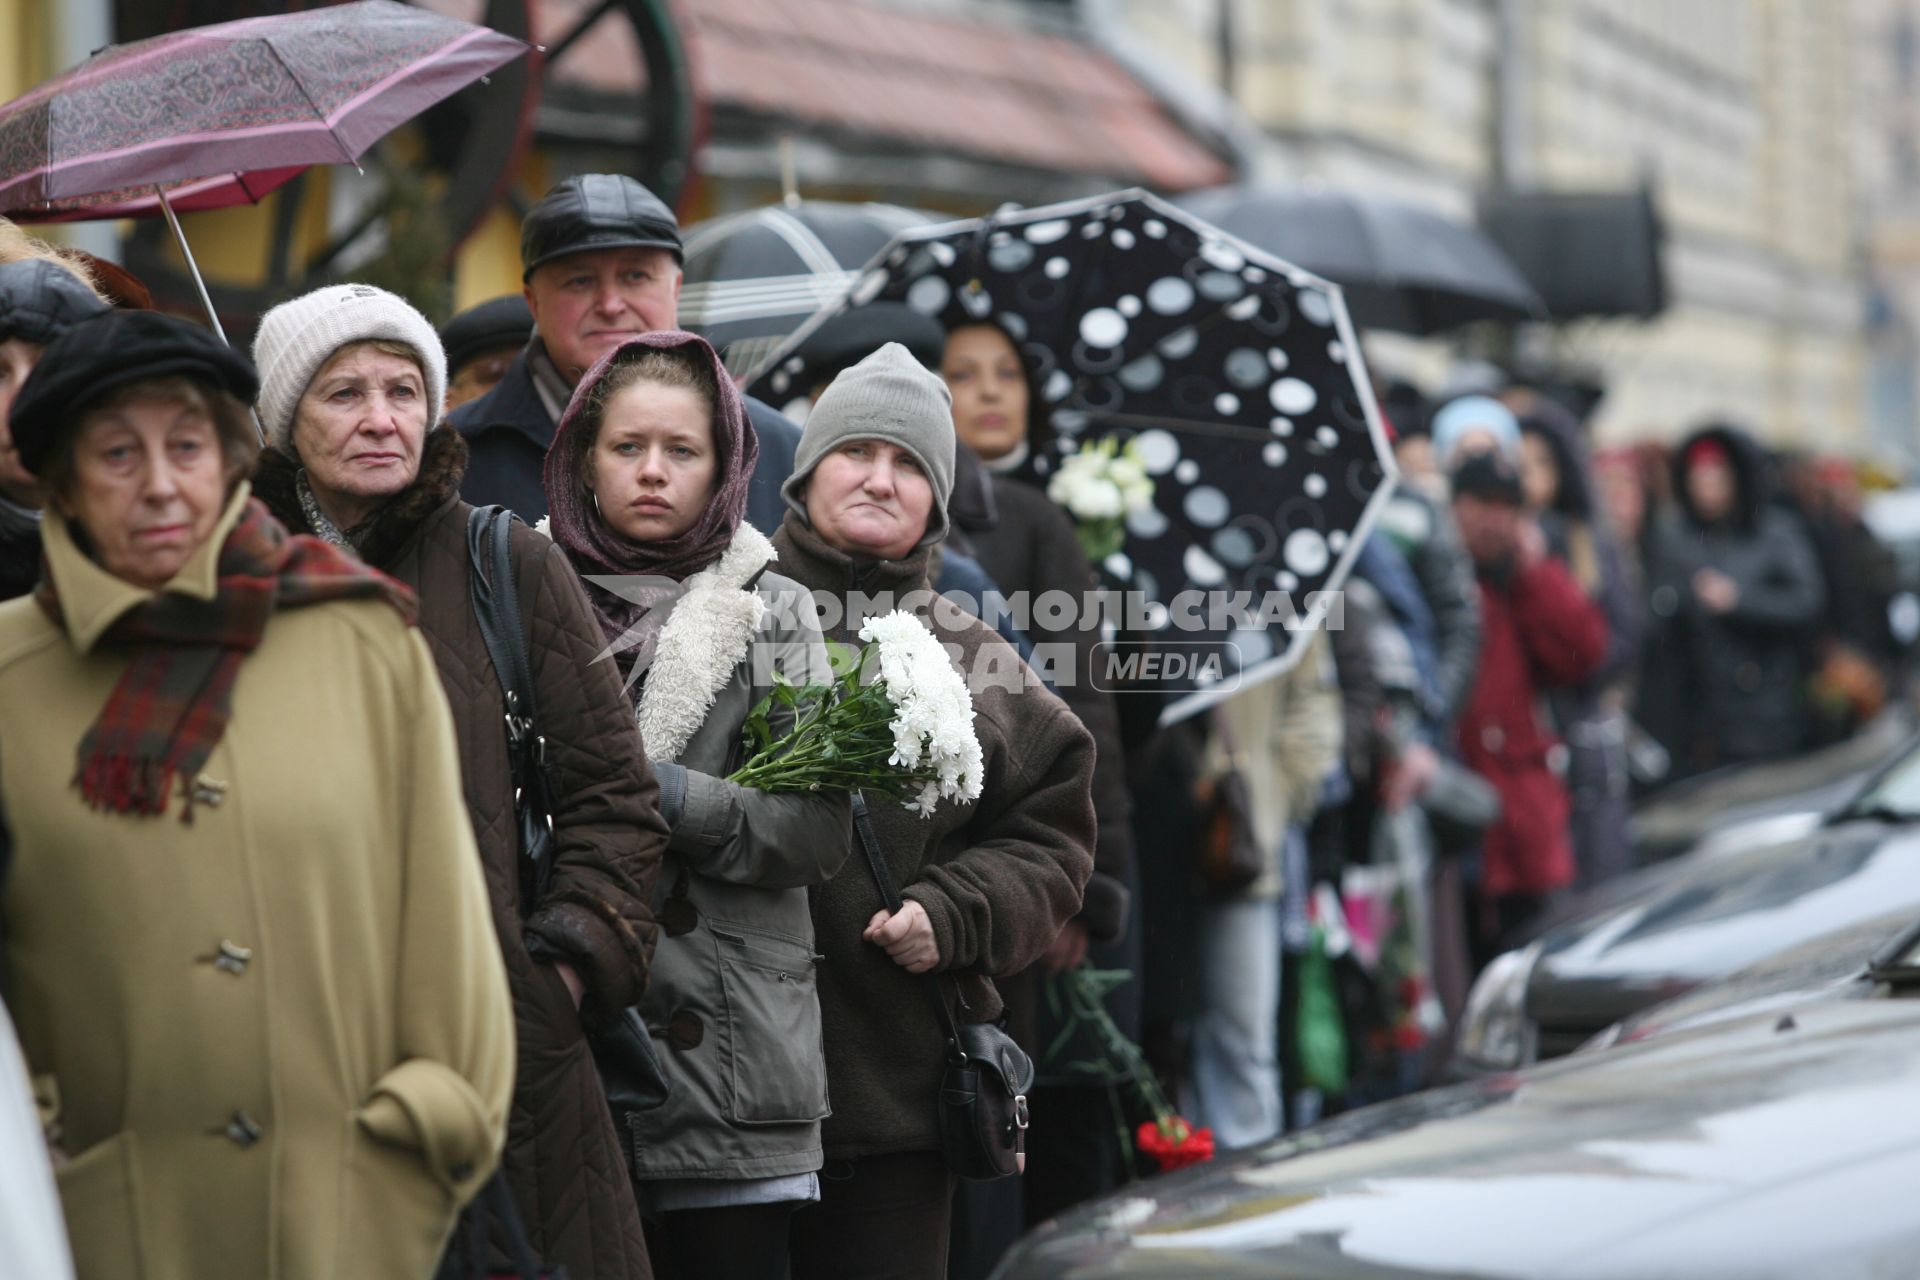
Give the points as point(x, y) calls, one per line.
point(1084, 490)
point(1102, 482)
point(933, 711)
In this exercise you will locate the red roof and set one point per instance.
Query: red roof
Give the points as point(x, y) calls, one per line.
point(943, 83)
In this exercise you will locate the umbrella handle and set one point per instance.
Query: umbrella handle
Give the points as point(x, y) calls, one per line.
point(206, 300)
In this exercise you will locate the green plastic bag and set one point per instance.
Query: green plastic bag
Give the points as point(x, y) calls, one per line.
point(1321, 1031)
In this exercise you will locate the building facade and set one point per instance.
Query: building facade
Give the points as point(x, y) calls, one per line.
point(1739, 113)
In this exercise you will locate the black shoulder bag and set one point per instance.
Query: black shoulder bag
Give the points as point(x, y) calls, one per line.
point(983, 1094)
point(623, 1050)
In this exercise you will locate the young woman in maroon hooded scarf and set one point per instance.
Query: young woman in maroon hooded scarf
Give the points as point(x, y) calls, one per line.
point(647, 485)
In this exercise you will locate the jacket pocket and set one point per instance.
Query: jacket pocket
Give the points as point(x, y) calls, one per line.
point(776, 1067)
point(100, 1198)
point(397, 1213)
point(429, 1109)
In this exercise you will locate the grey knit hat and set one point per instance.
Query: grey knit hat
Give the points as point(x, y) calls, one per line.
point(296, 338)
point(888, 396)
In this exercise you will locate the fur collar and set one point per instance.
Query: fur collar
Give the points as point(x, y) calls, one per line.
point(443, 464)
point(703, 639)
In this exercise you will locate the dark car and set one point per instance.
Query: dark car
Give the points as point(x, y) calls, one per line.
point(1780, 1143)
point(1775, 799)
point(1664, 930)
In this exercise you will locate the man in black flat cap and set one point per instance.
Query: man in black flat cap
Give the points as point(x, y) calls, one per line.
point(600, 256)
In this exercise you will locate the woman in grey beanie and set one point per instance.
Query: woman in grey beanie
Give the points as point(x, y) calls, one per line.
point(987, 884)
point(352, 380)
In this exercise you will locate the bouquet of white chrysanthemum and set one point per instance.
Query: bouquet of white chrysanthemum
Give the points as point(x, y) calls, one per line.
point(906, 732)
point(1100, 485)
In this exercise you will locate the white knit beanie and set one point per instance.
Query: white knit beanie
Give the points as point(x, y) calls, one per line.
point(296, 338)
point(888, 396)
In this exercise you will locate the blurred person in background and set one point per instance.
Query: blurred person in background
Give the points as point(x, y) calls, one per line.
point(1474, 424)
point(1422, 528)
point(41, 297)
point(1591, 717)
point(1542, 633)
point(481, 344)
point(1854, 653)
point(1734, 598)
point(1284, 738)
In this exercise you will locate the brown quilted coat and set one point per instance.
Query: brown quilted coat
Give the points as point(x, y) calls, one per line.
point(563, 1158)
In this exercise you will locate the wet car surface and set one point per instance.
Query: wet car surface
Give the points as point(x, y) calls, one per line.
point(1780, 1143)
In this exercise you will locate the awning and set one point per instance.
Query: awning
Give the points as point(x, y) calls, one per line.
point(959, 84)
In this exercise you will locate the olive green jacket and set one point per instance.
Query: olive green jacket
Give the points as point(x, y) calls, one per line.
point(732, 1001)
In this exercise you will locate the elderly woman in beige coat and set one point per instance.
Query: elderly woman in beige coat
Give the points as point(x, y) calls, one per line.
point(246, 940)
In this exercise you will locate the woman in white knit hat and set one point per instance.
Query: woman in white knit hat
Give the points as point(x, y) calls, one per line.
point(352, 382)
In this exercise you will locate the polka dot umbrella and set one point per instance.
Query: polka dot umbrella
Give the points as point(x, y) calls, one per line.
point(1237, 374)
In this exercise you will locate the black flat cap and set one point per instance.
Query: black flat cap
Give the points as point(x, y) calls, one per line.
point(852, 336)
point(596, 211)
point(111, 351)
point(1487, 476)
point(41, 300)
point(502, 322)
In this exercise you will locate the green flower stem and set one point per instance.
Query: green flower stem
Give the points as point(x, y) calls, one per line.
point(841, 740)
point(1087, 998)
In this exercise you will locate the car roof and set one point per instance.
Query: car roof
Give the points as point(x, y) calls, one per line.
point(1779, 1144)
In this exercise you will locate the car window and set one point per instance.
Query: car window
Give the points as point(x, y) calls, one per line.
point(1896, 795)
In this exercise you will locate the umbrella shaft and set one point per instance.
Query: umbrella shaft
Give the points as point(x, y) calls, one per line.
point(193, 268)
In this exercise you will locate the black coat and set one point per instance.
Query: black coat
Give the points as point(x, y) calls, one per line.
point(1735, 677)
point(508, 433)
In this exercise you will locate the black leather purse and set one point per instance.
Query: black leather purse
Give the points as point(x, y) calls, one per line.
point(983, 1093)
point(623, 1050)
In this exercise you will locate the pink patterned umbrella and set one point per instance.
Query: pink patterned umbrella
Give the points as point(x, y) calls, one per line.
point(221, 115)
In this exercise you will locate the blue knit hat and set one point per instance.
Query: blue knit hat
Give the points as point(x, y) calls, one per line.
point(1468, 414)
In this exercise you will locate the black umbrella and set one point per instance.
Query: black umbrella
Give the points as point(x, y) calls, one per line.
point(752, 277)
point(1402, 267)
point(1238, 375)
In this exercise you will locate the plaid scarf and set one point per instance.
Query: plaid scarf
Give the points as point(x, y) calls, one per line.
point(165, 716)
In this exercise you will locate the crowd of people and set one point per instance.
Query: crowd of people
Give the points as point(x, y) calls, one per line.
point(290, 983)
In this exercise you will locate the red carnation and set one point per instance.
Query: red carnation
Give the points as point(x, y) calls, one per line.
point(1174, 1144)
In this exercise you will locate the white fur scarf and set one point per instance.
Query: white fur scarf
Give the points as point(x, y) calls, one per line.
point(704, 638)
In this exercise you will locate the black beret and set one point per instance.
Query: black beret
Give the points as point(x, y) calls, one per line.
point(40, 300)
point(1488, 476)
point(111, 351)
point(503, 322)
point(596, 211)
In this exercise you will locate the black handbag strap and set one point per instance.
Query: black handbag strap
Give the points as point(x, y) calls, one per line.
point(890, 894)
point(496, 608)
